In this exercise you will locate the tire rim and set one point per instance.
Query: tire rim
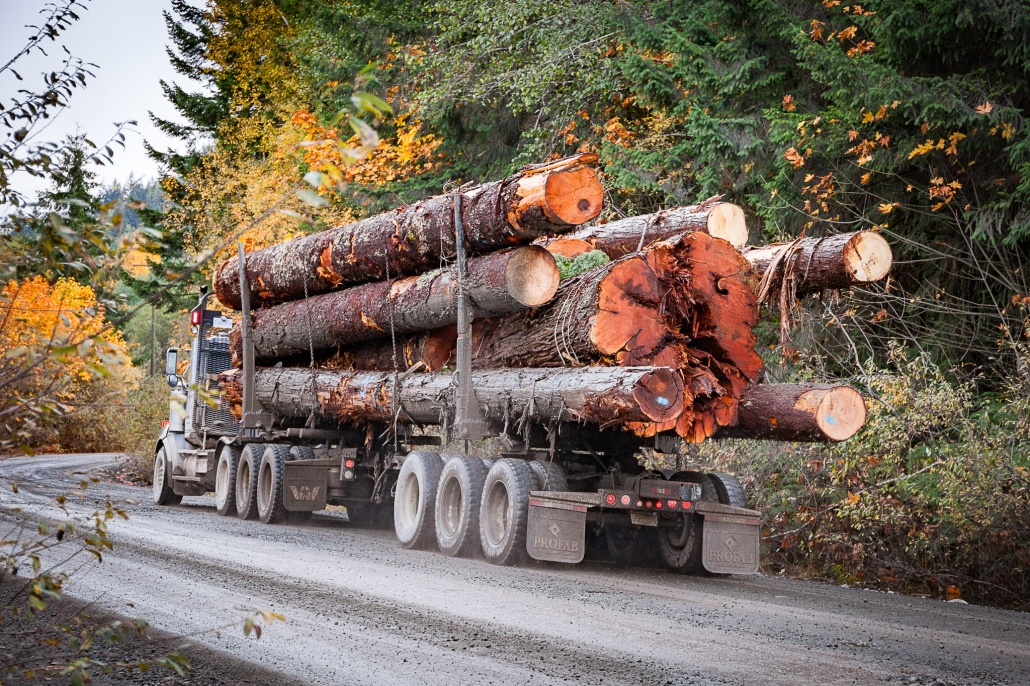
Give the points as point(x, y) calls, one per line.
point(410, 502)
point(264, 486)
point(496, 506)
point(222, 483)
point(159, 475)
point(678, 537)
point(451, 502)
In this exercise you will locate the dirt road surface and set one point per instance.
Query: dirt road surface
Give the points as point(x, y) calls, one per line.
point(361, 610)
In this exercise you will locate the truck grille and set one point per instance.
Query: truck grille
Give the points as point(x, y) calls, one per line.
point(214, 358)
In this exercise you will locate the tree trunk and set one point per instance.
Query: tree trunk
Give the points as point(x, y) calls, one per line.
point(538, 201)
point(499, 283)
point(814, 264)
point(615, 239)
point(686, 303)
point(798, 412)
point(606, 396)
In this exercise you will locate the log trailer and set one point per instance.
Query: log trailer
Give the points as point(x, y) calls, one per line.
point(268, 450)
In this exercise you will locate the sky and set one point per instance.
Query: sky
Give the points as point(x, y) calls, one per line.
point(126, 39)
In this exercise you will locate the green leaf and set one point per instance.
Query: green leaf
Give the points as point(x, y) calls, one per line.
point(312, 198)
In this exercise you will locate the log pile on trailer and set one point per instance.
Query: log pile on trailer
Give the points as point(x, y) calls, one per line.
point(589, 343)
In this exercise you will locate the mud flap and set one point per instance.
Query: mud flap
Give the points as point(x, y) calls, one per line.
point(304, 486)
point(556, 530)
point(730, 544)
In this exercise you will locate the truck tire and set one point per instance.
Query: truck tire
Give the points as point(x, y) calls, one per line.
point(225, 480)
point(415, 502)
point(504, 512)
point(458, 498)
point(163, 494)
point(680, 545)
point(246, 480)
point(301, 452)
point(549, 476)
point(728, 489)
point(270, 484)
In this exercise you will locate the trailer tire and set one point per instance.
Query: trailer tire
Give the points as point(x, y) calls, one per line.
point(246, 480)
point(163, 493)
point(728, 489)
point(271, 509)
point(415, 502)
point(504, 512)
point(301, 452)
point(549, 476)
point(458, 498)
point(681, 546)
point(225, 480)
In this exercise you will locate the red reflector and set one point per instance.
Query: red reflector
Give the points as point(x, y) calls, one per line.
point(686, 505)
point(610, 499)
point(164, 422)
point(349, 464)
point(649, 503)
point(672, 504)
point(658, 504)
point(625, 500)
point(195, 317)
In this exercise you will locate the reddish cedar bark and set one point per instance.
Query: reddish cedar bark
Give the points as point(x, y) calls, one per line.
point(606, 396)
point(410, 240)
point(798, 412)
point(616, 239)
point(499, 283)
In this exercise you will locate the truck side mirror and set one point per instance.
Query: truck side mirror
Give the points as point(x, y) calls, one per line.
point(172, 362)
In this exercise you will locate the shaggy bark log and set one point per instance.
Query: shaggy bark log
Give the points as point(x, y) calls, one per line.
point(539, 201)
point(615, 239)
point(814, 264)
point(686, 303)
point(499, 283)
point(607, 396)
point(798, 412)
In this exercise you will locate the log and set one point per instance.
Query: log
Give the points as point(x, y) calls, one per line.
point(798, 412)
point(616, 239)
point(605, 396)
point(814, 264)
point(410, 240)
point(499, 283)
point(686, 303)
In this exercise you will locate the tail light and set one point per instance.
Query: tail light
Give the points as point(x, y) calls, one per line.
point(349, 464)
point(610, 499)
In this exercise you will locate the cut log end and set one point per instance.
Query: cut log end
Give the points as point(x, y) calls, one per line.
point(867, 257)
point(573, 197)
point(659, 394)
point(532, 276)
point(726, 221)
point(839, 411)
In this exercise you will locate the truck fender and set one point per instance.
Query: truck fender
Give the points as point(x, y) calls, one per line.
point(174, 443)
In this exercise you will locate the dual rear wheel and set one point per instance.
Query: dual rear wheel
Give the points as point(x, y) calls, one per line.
point(465, 506)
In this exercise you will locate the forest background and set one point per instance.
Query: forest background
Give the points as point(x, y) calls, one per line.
point(905, 117)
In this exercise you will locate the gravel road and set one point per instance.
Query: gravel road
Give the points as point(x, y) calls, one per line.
point(361, 610)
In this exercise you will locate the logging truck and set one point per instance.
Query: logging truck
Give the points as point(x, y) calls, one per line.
point(370, 368)
point(538, 496)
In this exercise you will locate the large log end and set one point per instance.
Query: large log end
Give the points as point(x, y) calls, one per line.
point(532, 276)
point(566, 193)
point(659, 394)
point(839, 411)
point(867, 257)
point(726, 221)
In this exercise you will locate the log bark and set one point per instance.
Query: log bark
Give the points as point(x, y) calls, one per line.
point(538, 201)
point(798, 412)
point(499, 283)
point(814, 264)
point(686, 303)
point(606, 396)
point(616, 239)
